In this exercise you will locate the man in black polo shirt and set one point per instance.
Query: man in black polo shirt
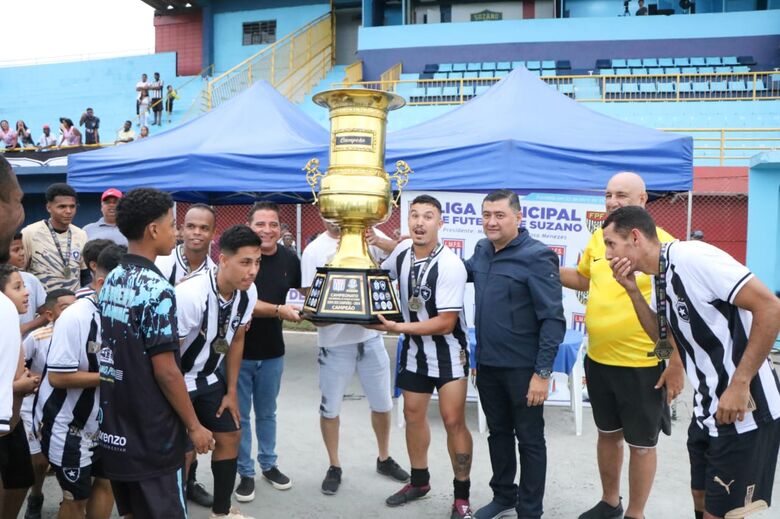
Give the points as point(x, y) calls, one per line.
point(145, 408)
point(261, 370)
point(519, 323)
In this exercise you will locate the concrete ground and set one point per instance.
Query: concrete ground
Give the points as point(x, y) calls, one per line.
point(572, 476)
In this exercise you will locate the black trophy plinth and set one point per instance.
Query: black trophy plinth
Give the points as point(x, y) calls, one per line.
point(351, 296)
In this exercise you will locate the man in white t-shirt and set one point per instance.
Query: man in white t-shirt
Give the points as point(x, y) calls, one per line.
point(343, 350)
point(139, 87)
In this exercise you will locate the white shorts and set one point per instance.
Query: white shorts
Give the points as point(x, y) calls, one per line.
point(32, 439)
point(338, 365)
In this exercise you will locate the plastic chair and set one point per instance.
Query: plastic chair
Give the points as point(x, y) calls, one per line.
point(618, 63)
point(665, 62)
point(459, 67)
point(489, 65)
point(518, 64)
point(474, 66)
point(445, 67)
point(681, 62)
point(649, 62)
point(712, 60)
point(697, 62)
point(504, 65)
point(533, 65)
point(730, 60)
point(638, 72)
point(548, 64)
point(634, 62)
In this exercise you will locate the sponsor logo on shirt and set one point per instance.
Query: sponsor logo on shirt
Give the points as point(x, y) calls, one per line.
point(682, 310)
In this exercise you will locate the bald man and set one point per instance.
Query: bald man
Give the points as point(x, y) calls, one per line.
point(628, 387)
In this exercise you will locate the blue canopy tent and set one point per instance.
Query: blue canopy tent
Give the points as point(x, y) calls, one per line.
point(522, 134)
point(254, 146)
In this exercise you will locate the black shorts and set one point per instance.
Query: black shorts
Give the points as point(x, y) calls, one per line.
point(736, 471)
point(157, 105)
point(16, 468)
point(76, 483)
point(155, 498)
point(416, 383)
point(625, 399)
point(169, 105)
point(206, 404)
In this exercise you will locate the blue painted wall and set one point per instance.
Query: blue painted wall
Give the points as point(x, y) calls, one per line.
point(594, 8)
point(228, 20)
point(763, 245)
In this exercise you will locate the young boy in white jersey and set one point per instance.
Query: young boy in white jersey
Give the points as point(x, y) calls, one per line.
point(214, 308)
point(68, 404)
point(18, 258)
point(35, 347)
point(90, 253)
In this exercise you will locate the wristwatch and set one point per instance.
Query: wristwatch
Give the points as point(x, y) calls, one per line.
point(544, 373)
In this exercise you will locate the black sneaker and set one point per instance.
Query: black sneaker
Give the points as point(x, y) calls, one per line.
point(330, 484)
point(277, 479)
point(406, 494)
point(198, 494)
point(34, 506)
point(392, 470)
point(604, 510)
point(245, 491)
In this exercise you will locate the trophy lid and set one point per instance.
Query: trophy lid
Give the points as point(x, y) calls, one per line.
point(351, 97)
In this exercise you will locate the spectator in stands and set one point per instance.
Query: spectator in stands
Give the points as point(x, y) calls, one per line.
point(46, 140)
point(91, 125)
point(106, 227)
point(7, 135)
point(144, 132)
point(71, 136)
point(143, 107)
point(155, 98)
point(141, 85)
point(642, 11)
point(288, 241)
point(169, 97)
point(126, 134)
point(24, 135)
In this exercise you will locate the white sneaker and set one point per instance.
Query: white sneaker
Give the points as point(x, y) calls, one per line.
point(234, 513)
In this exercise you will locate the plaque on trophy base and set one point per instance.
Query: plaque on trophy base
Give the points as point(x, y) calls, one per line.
point(351, 296)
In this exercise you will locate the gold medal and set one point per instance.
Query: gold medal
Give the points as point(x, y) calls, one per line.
point(66, 272)
point(220, 345)
point(415, 304)
point(663, 349)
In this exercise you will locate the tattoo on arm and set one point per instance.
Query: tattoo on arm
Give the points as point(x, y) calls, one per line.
point(462, 465)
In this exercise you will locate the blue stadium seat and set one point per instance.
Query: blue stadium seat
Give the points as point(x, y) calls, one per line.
point(474, 67)
point(685, 86)
point(433, 91)
point(634, 62)
point(487, 73)
point(730, 60)
point(713, 60)
point(549, 73)
point(719, 86)
point(655, 71)
point(697, 62)
point(548, 64)
point(618, 63)
point(536, 72)
point(638, 71)
point(700, 86)
point(760, 86)
point(563, 64)
point(459, 67)
point(737, 86)
point(417, 94)
point(489, 65)
point(612, 88)
point(481, 88)
point(681, 62)
point(689, 70)
point(706, 70)
point(672, 70)
point(456, 75)
point(533, 65)
point(468, 90)
point(723, 69)
point(665, 62)
point(740, 69)
point(667, 87)
point(502, 73)
point(603, 63)
point(518, 64)
point(431, 68)
point(504, 65)
point(450, 91)
point(566, 88)
point(607, 72)
point(630, 88)
point(440, 75)
point(649, 62)
point(472, 74)
point(445, 67)
point(647, 88)
point(623, 71)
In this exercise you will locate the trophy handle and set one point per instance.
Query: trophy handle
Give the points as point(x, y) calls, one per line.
point(313, 175)
point(401, 177)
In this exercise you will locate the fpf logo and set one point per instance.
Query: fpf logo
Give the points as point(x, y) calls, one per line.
point(578, 322)
point(560, 250)
point(456, 246)
point(594, 219)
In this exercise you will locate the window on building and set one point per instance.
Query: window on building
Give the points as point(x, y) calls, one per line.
point(260, 33)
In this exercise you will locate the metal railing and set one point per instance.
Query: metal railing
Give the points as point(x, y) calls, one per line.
point(737, 86)
point(293, 65)
point(726, 145)
point(353, 73)
point(389, 77)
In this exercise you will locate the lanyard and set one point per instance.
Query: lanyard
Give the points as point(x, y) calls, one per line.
point(415, 282)
point(660, 295)
point(65, 258)
point(223, 314)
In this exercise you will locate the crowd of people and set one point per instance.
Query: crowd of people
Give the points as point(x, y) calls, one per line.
point(126, 355)
point(149, 98)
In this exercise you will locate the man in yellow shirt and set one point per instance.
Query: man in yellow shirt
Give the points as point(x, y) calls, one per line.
point(625, 380)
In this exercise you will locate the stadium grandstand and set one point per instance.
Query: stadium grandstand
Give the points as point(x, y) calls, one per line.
point(706, 69)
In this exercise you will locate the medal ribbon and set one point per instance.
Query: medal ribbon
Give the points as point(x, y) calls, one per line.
point(65, 258)
point(660, 295)
point(414, 283)
point(223, 315)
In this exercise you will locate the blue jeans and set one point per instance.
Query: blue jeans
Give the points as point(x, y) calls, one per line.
point(258, 383)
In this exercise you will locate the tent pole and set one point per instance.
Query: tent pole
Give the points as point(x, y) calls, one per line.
point(298, 228)
point(690, 215)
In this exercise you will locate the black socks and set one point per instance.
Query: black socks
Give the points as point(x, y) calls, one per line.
point(461, 489)
point(224, 480)
point(420, 477)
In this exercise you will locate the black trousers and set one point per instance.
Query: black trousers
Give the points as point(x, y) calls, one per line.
point(502, 393)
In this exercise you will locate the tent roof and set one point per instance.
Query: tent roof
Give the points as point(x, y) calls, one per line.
point(255, 143)
point(522, 134)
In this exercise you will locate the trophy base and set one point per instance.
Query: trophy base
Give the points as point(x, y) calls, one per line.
point(351, 296)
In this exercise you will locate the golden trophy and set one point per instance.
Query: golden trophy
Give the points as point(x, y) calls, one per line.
point(355, 194)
